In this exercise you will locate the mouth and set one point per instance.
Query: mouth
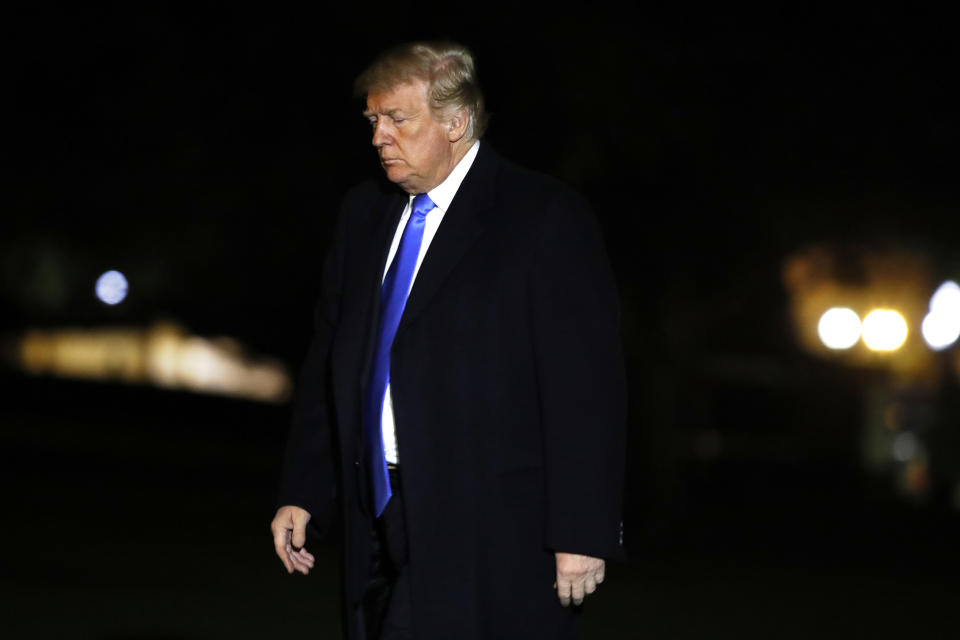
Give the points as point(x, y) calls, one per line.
point(390, 161)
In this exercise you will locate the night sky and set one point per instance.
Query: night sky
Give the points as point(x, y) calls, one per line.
point(203, 152)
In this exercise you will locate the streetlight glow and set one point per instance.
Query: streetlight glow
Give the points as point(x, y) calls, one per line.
point(946, 299)
point(939, 332)
point(941, 327)
point(839, 328)
point(884, 330)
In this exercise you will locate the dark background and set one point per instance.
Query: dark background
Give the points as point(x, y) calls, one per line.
point(203, 152)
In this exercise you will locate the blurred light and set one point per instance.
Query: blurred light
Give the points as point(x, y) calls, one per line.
point(940, 331)
point(941, 327)
point(884, 330)
point(112, 287)
point(163, 355)
point(839, 328)
point(946, 299)
point(917, 477)
point(904, 447)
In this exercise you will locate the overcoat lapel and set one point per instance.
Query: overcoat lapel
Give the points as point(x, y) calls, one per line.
point(462, 225)
point(387, 215)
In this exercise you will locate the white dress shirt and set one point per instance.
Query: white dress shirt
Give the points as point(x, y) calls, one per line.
point(442, 195)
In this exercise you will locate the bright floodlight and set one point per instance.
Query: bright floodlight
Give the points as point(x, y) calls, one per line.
point(839, 328)
point(112, 287)
point(939, 330)
point(946, 300)
point(941, 327)
point(884, 330)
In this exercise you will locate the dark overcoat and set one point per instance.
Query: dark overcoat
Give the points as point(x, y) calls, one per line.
point(508, 394)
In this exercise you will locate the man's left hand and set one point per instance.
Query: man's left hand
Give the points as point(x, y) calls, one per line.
point(577, 576)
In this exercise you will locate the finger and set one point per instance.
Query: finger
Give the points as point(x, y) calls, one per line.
point(600, 573)
point(299, 529)
point(281, 539)
point(576, 592)
point(300, 567)
point(563, 592)
point(298, 563)
point(305, 557)
point(589, 585)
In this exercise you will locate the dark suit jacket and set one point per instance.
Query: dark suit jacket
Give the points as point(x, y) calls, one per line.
point(509, 399)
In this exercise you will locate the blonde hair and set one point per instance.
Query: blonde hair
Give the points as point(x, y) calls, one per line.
point(446, 67)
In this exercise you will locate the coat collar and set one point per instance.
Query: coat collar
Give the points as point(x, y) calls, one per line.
point(462, 224)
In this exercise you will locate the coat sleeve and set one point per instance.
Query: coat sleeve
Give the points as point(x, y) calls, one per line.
point(309, 475)
point(581, 381)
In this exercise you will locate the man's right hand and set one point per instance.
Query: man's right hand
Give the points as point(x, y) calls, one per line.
point(289, 528)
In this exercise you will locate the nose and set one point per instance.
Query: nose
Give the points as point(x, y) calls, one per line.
point(380, 134)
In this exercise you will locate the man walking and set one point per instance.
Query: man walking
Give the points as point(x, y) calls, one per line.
point(463, 399)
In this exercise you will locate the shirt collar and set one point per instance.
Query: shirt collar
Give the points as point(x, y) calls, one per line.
point(442, 195)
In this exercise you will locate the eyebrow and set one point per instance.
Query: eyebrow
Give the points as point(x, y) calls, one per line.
point(390, 113)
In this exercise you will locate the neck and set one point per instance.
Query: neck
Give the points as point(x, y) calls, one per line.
point(457, 151)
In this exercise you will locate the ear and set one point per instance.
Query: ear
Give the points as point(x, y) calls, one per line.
point(457, 125)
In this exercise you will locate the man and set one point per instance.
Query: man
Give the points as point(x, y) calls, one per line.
point(463, 397)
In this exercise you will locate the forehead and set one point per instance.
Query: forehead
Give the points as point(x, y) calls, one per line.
point(409, 96)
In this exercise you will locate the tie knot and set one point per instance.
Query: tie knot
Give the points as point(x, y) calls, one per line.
point(422, 205)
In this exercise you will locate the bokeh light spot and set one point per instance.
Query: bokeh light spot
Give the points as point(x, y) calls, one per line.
point(112, 287)
point(940, 331)
point(904, 447)
point(946, 299)
point(839, 328)
point(941, 327)
point(884, 330)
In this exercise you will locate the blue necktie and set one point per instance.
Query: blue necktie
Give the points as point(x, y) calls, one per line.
point(393, 298)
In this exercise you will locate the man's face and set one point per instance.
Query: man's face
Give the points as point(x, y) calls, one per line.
point(415, 150)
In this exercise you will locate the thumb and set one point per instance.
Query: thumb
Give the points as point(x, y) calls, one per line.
point(299, 538)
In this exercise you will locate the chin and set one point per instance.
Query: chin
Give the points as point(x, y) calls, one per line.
point(396, 174)
point(400, 178)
